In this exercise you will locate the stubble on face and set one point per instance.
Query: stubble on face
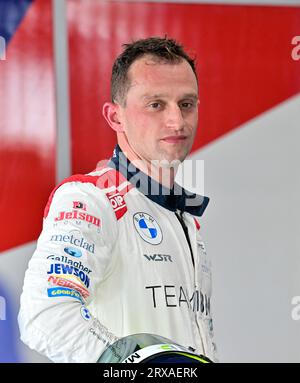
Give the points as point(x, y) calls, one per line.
point(157, 125)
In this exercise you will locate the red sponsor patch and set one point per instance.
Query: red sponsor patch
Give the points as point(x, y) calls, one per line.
point(79, 205)
point(58, 281)
point(197, 224)
point(65, 215)
point(118, 204)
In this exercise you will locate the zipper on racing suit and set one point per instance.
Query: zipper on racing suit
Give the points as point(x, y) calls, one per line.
point(186, 233)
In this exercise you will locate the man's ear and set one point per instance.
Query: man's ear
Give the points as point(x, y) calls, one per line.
point(111, 113)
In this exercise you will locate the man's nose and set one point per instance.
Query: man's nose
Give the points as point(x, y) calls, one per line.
point(174, 118)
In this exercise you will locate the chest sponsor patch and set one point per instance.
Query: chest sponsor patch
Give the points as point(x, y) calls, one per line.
point(77, 215)
point(61, 269)
point(79, 205)
point(57, 281)
point(74, 238)
point(147, 227)
point(54, 292)
point(86, 315)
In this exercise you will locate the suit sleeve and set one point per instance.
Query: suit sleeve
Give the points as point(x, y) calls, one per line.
point(73, 256)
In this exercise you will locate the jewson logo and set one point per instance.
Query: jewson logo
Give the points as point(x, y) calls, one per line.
point(296, 309)
point(2, 48)
point(296, 51)
point(2, 308)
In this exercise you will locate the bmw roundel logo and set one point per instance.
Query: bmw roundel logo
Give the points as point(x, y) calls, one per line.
point(85, 313)
point(73, 252)
point(147, 228)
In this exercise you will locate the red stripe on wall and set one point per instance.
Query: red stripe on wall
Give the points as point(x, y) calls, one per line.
point(243, 53)
point(27, 127)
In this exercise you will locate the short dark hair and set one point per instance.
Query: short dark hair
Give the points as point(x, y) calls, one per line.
point(162, 49)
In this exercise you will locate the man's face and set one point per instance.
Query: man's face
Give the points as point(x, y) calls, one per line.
point(160, 117)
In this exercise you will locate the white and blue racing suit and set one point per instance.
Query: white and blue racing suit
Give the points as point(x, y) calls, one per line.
point(113, 259)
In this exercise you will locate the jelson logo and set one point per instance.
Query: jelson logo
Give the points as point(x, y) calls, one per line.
point(63, 215)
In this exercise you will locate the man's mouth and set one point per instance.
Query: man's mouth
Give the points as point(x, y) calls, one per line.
point(174, 139)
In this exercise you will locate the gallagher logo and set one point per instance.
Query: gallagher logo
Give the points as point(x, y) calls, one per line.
point(63, 215)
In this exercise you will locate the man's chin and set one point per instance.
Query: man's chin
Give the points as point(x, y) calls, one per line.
point(174, 154)
point(170, 161)
point(179, 156)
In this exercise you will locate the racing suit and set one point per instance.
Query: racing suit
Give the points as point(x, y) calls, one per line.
point(119, 254)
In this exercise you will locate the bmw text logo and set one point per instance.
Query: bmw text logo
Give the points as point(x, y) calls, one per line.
point(147, 228)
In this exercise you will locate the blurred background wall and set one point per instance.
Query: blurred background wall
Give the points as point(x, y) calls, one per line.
point(54, 77)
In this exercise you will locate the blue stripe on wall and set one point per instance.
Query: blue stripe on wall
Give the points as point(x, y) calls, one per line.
point(11, 14)
point(9, 332)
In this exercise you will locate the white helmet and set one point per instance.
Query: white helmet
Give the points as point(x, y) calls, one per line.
point(149, 348)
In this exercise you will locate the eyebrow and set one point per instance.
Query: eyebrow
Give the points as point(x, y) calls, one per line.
point(161, 95)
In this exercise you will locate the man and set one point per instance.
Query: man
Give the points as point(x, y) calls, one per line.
point(120, 252)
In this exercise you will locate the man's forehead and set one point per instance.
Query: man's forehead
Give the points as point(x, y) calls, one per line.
point(162, 95)
point(151, 59)
point(148, 72)
point(150, 62)
point(148, 65)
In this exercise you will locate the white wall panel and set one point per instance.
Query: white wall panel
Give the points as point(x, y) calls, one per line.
point(251, 229)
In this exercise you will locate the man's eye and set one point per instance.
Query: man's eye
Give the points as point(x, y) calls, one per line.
point(187, 105)
point(155, 105)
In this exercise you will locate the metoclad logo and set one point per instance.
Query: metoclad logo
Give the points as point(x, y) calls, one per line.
point(147, 228)
point(74, 240)
point(65, 215)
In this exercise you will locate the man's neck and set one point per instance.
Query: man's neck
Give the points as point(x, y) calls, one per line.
point(173, 199)
point(155, 169)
